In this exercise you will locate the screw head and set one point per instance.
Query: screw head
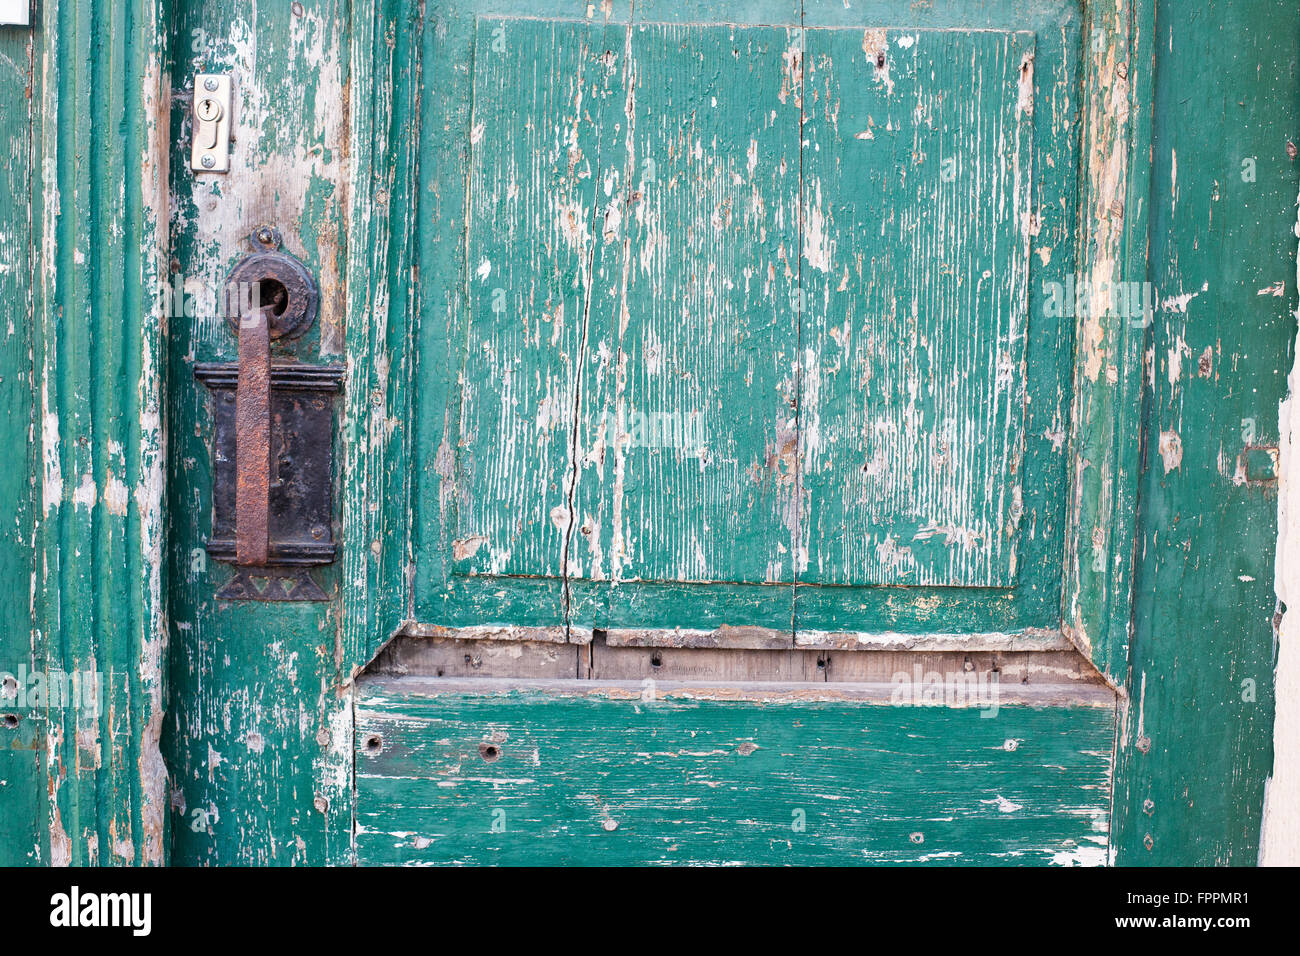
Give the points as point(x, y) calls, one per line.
point(264, 235)
point(208, 162)
point(210, 84)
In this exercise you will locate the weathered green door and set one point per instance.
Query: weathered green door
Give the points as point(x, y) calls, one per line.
point(749, 431)
point(703, 457)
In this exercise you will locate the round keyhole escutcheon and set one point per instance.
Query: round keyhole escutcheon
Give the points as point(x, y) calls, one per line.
point(275, 281)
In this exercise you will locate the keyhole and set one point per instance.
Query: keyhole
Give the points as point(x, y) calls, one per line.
point(209, 111)
point(273, 293)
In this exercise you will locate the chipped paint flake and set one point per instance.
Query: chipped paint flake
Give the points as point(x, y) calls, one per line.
point(1171, 450)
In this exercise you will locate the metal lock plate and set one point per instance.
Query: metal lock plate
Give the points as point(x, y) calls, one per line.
point(299, 518)
point(273, 435)
point(15, 13)
point(210, 124)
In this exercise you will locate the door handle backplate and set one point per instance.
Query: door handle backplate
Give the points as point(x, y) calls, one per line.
point(273, 434)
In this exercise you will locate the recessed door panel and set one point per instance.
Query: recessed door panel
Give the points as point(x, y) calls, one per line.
point(916, 178)
point(721, 309)
point(534, 185)
point(688, 442)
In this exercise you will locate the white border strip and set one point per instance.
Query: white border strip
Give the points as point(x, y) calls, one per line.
point(1279, 837)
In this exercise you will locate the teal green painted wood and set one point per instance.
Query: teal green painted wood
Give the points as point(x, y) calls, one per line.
point(765, 608)
point(682, 379)
point(538, 778)
point(540, 91)
point(1196, 744)
point(22, 811)
point(23, 837)
point(256, 719)
point(833, 403)
point(446, 523)
point(916, 269)
point(100, 222)
point(687, 438)
point(428, 527)
point(1111, 337)
point(687, 432)
point(386, 52)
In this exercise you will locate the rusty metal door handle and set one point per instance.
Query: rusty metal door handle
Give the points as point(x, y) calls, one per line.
point(270, 276)
point(253, 439)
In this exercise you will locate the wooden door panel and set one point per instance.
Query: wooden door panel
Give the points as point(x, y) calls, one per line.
point(917, 182)
point(689, 443)
point(655, 278)
point(726, 307)
point(540, 88)
point(454, 772)
point(629, 269)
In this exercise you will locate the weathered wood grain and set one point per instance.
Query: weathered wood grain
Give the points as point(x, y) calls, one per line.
point(613, 656)
point(540, 90)
point(543, 777)
point(448, 586)
point(1034, 603)
point(1106, 415)
point(23, 835)
point(256, 732)
point(99, 219)
point(682, 371)
point(688, 430)
point(1196, 741)
point(385, 98)
point(915, 247)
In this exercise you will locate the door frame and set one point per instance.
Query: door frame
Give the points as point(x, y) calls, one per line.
point(92, 448)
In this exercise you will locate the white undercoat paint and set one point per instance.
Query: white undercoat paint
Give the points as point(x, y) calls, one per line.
point(1280, 828)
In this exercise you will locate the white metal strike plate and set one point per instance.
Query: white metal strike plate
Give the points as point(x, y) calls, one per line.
point(15, 13)
point(210, 122)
